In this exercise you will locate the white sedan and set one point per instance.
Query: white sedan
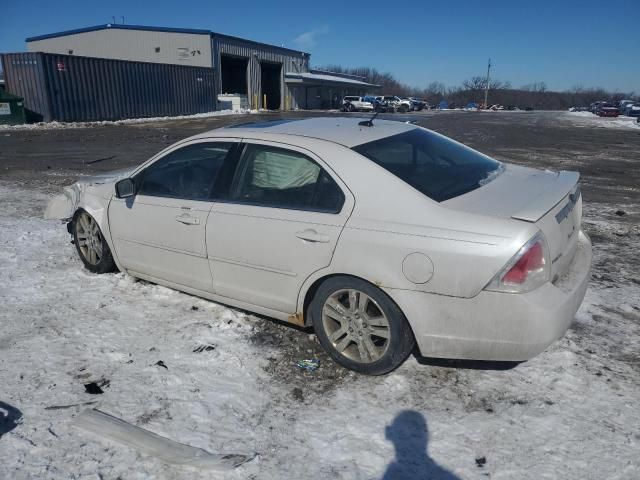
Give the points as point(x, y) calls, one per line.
point(380, 235)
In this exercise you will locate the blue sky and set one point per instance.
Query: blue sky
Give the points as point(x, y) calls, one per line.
point(563, 42)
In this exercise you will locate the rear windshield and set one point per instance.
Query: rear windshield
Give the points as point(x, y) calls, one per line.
point(438, 167)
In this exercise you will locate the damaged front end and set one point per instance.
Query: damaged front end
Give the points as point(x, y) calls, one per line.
point(88, 192)
point(62, 207)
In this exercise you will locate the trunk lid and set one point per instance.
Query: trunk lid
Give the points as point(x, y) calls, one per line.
point(551, 200)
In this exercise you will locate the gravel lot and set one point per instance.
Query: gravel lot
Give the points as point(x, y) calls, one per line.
point(231, 382)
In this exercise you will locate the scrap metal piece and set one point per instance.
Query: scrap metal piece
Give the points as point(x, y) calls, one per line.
point(149, 443)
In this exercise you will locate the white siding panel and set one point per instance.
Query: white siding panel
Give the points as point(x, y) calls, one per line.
point(138, 45)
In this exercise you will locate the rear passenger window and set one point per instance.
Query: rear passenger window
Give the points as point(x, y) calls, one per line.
point(275, 177)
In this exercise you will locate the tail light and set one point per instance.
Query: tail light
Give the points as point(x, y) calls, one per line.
point(526, 271)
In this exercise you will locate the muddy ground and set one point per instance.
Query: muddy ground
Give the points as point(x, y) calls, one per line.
point(606, 158)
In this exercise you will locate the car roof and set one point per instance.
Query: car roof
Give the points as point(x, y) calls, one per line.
point(341, 130)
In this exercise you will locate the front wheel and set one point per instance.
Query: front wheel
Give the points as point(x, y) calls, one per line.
point(91, 245)
point(359, 326)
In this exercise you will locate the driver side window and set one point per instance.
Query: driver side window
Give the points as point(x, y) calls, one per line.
point(188, 173)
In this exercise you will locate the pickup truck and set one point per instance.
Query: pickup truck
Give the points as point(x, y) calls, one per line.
point(393, 103)
point(354, 104)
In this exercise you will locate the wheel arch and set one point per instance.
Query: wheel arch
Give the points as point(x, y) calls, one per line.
point(313, 283)
point(99, 212)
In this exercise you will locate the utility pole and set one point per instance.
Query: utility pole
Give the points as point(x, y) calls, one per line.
point(486, 88)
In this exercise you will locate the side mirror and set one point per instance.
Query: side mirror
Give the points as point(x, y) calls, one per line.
point(125, 188)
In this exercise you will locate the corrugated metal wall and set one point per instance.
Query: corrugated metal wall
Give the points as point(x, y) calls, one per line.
point(70, 88)
point(290, 60)
point(24, 76)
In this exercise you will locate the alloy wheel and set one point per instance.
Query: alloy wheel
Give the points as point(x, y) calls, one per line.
point(356, 326)
point(89, 238)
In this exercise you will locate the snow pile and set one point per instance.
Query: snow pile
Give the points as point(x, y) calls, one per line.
point(588, 119)
point(581, 114)
point(216, 378)
point(129, 121)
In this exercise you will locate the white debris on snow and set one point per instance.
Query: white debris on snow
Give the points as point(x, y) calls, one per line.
point(570, 413)
point(588, 119)
point(128, 121)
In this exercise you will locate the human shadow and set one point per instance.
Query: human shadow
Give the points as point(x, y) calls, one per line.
point(9, 418)
point(409, 435)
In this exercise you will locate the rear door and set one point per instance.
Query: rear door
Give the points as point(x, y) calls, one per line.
point(161, 231)
point(280, 222)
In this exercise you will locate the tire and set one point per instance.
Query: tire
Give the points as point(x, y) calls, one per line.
point(348, 336)
point(351, 108)
point(90, 244)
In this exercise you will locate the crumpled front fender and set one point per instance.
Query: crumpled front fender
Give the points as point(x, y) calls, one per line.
point(89, 193)
point(64, 205)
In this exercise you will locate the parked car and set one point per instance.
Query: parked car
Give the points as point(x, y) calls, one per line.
point(607, 110)
point(622, 105)
point(633, 110)
point(377, 104)
point(393, 103)
point(463, 255)
point(417, 104)
point(356, 104)
point(593, 108)
point(628, 107)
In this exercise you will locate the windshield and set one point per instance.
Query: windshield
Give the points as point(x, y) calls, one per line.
point(435, 165)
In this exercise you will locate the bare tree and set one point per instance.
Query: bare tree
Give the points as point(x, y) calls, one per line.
point(534, 94)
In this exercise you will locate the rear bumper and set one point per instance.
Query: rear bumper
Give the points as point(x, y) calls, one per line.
point(498, 326)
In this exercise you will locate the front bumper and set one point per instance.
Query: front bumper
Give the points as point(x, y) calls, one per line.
point(494, 325)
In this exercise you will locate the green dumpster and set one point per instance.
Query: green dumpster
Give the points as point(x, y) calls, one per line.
point(11, 109)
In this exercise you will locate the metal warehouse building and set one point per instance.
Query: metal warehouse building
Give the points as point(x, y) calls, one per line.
point(262, 75)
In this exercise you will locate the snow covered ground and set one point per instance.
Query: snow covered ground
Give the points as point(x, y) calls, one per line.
point(129, 121)
point(231, 384)
point(588, 119)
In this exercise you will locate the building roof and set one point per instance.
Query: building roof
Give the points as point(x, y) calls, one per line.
point(342, 130)
point(192, 31)
point(338, 74)
point(323, 78)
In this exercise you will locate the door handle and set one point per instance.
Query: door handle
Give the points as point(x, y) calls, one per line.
point(188, 219)
point(313, 236)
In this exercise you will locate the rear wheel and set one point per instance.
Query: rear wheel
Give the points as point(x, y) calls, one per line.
point(91, 245)
point(360, 326)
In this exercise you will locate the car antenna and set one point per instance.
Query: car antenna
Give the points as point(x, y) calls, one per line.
point(369, 123)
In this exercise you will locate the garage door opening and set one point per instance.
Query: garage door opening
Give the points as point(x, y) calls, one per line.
point(234, 74)
point(270, 79)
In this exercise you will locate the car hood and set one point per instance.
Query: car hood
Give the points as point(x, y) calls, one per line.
point(111, 176)
point(518, 192)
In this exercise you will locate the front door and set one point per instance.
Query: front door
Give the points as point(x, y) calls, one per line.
point(279, 223)
point(161, 231)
